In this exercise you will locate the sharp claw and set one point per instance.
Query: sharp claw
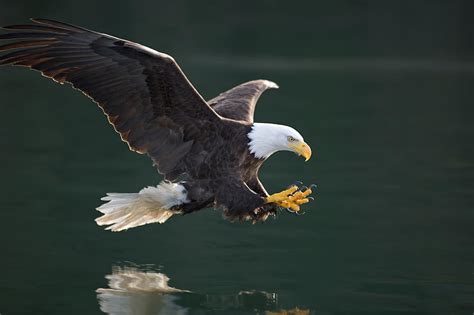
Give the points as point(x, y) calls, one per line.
point(310, 198)
point(298, 183)
point(303, 188)
point(290, 210)
point(313, 186)
point(294, 212)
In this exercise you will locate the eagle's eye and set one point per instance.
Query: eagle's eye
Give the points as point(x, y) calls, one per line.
point(291, 139)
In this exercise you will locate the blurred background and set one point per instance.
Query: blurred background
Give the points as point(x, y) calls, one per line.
point(381, 90)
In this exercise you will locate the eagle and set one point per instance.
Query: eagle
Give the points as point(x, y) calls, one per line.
point(208, 152)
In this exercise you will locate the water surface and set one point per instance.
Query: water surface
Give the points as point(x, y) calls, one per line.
point(382, 92)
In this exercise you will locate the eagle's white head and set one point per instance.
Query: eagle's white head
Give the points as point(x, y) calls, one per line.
point(266, 139)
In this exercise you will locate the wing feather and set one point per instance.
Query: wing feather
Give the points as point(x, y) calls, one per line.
point(144, 93)
point(239, 102)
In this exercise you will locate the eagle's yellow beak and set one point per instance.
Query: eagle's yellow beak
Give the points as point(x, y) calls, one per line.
point(301, 148)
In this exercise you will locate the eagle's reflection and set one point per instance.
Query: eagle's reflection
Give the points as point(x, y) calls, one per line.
point(135, 291)
point(138, 291)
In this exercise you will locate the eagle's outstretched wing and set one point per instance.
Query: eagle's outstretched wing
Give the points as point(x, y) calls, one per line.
point(239, 102)
point(144, 93)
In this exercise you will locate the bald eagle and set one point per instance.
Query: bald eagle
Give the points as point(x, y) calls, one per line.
point(208, 152)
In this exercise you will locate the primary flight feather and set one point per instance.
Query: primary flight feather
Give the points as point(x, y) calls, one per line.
point(208, 152)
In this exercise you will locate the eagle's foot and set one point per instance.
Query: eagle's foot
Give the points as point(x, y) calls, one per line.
point(281, 196)
point(291, 198)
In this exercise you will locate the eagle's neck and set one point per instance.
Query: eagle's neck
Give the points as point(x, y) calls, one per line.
point(266, 139)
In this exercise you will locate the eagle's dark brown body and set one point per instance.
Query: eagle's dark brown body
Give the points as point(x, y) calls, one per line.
point(221, 172)
point(225, 174)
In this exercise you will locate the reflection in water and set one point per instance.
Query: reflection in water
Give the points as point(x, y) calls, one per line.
point(244, 300)
point(140, 291)
point(132, 291)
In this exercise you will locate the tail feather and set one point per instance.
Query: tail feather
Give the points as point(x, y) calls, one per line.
point(123, 211)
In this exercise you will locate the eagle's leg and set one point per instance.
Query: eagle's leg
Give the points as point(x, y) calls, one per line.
point(290, 198)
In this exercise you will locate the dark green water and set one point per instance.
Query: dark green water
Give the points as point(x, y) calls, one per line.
point(383, 92)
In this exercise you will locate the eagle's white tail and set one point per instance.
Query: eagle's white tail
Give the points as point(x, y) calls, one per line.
point(152, 204)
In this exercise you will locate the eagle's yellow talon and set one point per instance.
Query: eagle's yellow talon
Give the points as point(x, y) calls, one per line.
point(294, 207)
point(297, 195)
point(302, 201)
point(290, 190)
point(284, 204)
point(290, 198)
point(283, 195)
